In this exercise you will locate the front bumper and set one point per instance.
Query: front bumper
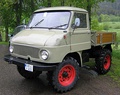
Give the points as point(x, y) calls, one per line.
point(36, 65)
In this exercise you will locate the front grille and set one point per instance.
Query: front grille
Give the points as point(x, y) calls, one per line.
point(26, 51)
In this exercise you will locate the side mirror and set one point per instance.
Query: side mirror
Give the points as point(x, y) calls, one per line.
point(19, 28)
point(24, 22)
point(76, 23)
point(10, 35)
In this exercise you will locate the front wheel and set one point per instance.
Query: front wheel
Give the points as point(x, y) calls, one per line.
point(66, 75)
point(103, 61)
point(27, 74)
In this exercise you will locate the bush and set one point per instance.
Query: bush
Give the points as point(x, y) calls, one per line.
point(105, 26)
point(116, 53)
point(95, 25)
point(110, 18)
point(117, 27)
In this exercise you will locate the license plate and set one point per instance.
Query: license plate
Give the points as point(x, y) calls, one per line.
point(29, 67)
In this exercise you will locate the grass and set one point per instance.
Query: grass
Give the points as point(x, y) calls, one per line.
point(4, 43)
point(115, 68)
point(112, 25)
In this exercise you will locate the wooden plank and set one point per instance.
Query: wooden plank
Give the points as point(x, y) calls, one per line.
point(105, 37)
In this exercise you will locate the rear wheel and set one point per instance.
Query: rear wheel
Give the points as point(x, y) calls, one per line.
point(66, 75)
point(103, 61)
point(27, 74)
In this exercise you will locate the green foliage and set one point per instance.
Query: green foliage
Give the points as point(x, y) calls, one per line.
point(56, 2)
point(105, 22)
point(13, 12)
point(116, 53)
point(106, 26)
point(104, 18)
point(95, 24)
point(112, 25)
point(118, 36)
point(6, 13)
point(117, 27)
point(108, 18)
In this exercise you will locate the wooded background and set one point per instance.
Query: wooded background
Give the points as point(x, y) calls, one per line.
point(13, 12)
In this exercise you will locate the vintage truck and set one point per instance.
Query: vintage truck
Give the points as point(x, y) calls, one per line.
point(59, 40)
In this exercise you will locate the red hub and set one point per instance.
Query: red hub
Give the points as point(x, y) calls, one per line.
point(66, 75)
point(107, 62)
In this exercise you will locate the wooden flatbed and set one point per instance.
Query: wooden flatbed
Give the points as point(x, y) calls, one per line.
point(101, 38)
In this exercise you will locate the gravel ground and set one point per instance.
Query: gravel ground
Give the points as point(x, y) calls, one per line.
point(11, 83)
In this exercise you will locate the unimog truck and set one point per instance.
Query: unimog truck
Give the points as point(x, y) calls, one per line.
point(58, 40)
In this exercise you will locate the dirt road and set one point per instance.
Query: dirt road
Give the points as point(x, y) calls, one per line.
point(11, 83)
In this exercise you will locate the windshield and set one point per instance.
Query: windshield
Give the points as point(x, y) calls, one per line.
point(50, 20)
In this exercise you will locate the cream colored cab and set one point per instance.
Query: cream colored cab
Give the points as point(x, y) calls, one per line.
point(53, 33)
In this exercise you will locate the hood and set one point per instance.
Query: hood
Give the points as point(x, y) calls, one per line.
point(37, 37)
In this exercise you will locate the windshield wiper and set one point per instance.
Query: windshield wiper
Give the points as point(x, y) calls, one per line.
point(55, 27)
point(37, 23)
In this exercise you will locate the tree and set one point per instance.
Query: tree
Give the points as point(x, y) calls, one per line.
point(17, 7)
point(12, 12)
point(6, 15)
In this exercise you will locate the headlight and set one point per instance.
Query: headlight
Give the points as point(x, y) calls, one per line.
point(44, 54)
point(11, 49)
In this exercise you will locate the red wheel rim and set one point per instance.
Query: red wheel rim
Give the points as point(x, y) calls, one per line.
point(66, 75)
point(107, 62)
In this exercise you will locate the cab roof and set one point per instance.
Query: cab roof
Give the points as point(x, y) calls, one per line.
point(61, 8)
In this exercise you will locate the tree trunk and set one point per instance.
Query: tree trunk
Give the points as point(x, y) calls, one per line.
point(0, 37)
point(49, 3)
point(62, 3)
point(89, 12)
point(6, 33)
point(18, 11)
point(32, 6)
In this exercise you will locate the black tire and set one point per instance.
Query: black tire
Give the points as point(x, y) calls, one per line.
point(66, 75)
point(103, 61)
point(27, 74)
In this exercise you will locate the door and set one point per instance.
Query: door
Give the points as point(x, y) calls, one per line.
point(80, 32)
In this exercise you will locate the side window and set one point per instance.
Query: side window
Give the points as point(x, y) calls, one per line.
point(82, 20)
